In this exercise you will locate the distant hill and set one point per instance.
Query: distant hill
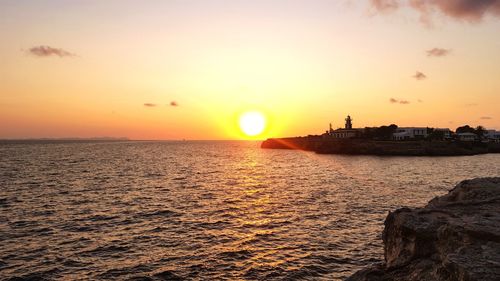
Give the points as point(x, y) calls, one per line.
point(93, 139)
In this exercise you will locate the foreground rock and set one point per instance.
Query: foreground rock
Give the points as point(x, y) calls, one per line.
point(455, 237)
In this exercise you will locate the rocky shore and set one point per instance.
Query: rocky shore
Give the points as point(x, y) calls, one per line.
point(454, 237)
point(373, 147)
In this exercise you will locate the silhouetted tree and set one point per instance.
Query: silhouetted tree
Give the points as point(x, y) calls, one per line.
point(465, 129)
point(385, 132)
point(435, 134)
point(368, 133)
point(480, 131)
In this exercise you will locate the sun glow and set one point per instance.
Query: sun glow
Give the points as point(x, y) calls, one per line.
point(252, 123)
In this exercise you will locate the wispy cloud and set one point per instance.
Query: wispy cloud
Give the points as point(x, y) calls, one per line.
point(470, 104)
point(149, 104)
point(438, 52)
point(485, 118)
point(47, 51)
point(462, 10)
point(393, 100)
point(419, 76)
point(174, 103)
point(385, 5)
point(468, 10)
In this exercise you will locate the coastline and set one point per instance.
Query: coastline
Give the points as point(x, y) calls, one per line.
point(322, 145)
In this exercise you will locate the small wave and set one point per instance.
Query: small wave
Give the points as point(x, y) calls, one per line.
point(159, 213)
point(4, 202)
point(212, 225)
point(153, 175)
point(306, 272)
point(118, 272)
point(264, 273)
point(107, 250)
point(74, 263)
point(44, 230)
point(22, 223)
point(74, 241)
point(101, 218)
point(168, 275)
point(45, 275)
point(44, 213)
point(321, 259)
point(235, 255)
point(79, 228)
point(125, 222)
point(158, 229)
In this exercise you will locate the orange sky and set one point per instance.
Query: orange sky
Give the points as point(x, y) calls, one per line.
point(303, 64)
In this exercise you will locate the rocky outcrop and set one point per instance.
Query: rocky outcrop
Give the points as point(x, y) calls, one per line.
point(310, 143)
point(455, 237)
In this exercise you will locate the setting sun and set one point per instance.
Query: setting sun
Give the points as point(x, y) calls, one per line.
point(252, 123)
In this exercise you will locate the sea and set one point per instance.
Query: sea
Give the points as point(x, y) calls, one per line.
point(204, 210)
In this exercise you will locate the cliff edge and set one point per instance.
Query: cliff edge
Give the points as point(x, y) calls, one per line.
point(454, 237)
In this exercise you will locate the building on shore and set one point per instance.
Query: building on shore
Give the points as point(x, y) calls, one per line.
point(343, 133)
point(492, 135)
point(408, 133)
point(446, 133)
point(467, 137)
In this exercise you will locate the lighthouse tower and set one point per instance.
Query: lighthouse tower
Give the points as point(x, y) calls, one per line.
point(348, 123)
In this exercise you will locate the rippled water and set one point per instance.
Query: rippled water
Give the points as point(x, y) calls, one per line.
point(205, 210)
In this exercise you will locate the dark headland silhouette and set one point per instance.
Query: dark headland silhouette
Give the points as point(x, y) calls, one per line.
point(66, 140)
point(394, 140)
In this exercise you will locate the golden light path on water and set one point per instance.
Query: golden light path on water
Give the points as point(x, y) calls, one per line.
point(202, 210)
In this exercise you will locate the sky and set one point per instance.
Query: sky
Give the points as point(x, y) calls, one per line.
point(187, 69)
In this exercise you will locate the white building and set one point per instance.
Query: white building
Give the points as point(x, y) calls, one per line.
point(467, 136)
point(344, 134)
point(492, 135)
point(407, 133)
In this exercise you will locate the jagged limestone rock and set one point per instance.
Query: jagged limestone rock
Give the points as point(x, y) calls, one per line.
point(454, 237)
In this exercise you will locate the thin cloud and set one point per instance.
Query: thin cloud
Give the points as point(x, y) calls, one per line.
point(393, 100)
point(419, 100)
point(438, 52)
point(385, 5)
point(461, 10)
point(419, 76)
point(47, 51)
point(174, 103)
point(485, 118)
point(149, 104)
point(464, 10)
point(470, 104)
